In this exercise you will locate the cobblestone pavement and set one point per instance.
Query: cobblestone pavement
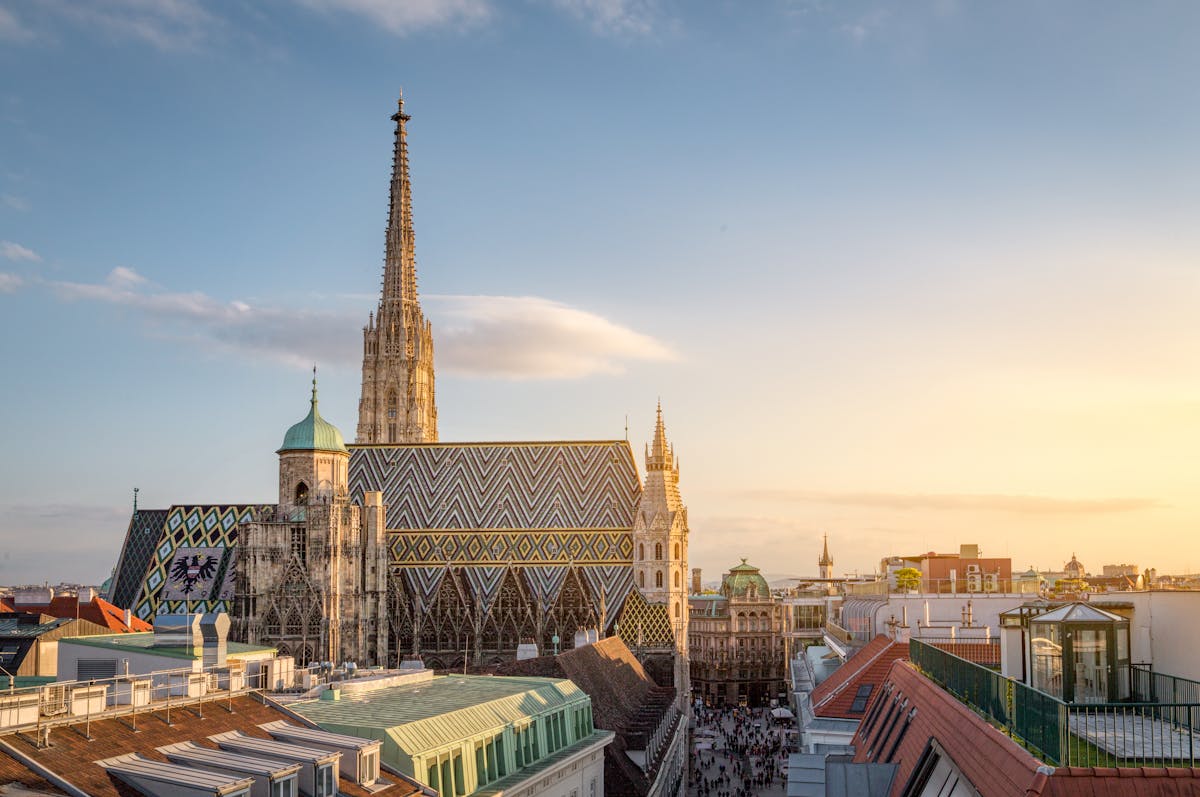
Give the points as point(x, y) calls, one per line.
point(709, 731)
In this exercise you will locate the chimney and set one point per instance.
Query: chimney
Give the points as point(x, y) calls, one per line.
point(128, 619)
point(696, 585)
point(214, 628)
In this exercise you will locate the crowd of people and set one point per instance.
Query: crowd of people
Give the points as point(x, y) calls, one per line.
point(738, 752)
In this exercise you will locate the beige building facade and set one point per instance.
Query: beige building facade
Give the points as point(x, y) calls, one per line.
point(736, 641)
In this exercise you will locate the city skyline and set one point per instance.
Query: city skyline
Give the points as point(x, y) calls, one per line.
point(906, 277)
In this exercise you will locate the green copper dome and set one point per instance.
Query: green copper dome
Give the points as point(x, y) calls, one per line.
point(314, 433)
point(739, 579)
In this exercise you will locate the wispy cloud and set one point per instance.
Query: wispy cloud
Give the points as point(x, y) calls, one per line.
point(983, 502)
point(506, 337)
point(296, 337)
point(167, 25)
point(615, 17)
point(526, 337)
point(10, 282)
point(11, 28)
point(14, 251)
point(402, 17)
point(12, 201)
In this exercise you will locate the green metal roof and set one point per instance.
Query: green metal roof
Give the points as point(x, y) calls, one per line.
point(144, 642)
point(314, 433)
point(445, 711)
point(737, 582)
point(499, 787)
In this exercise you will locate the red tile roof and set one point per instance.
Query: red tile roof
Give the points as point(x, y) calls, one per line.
point(835, 696)
point(984, 653)
point(72, 756)
point(994, 763)
point(98, 611)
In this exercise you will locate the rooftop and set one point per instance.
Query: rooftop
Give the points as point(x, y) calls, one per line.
point(441, 711)
point(846, 691)
point(73, 751)
point(313, 433)
point(144, 642)
point(97, 610)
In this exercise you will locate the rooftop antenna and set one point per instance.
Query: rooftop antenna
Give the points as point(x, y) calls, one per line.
point(135, 492)
point(627, 427)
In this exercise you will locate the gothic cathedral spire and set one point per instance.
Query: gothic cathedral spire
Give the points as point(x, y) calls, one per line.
point(397, 402)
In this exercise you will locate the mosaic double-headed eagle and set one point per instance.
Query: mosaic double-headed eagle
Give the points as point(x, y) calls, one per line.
point(189, 573)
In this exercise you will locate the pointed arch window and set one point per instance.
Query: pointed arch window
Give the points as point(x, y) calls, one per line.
point(641, 550)
point(677, 582)
point(642, 579)
point(658, 580)
point(301, 493)
point(677, 608)
point(658, 552)
point(676, 551)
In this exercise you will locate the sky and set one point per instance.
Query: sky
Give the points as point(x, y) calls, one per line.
point(907, 274)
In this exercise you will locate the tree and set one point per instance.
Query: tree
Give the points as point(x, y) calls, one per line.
point(908, 579)
point(1071, 585)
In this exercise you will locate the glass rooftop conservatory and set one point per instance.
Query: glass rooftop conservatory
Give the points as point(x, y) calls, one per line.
point(1080, 654)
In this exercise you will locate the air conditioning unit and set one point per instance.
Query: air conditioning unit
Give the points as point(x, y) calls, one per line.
point(974, 582)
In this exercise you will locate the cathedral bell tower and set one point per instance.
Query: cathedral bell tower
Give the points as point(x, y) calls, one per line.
point(313, 576)
point(396, 404)
point(660, 533)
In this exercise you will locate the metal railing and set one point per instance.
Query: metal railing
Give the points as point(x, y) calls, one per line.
point(1146, 733)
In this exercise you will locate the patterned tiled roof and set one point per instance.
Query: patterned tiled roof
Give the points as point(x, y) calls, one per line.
point(556, 485)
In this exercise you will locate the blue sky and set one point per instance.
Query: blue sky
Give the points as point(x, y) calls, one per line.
point(909, 274)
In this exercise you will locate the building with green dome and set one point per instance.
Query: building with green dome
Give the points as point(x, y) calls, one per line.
point(735, 641)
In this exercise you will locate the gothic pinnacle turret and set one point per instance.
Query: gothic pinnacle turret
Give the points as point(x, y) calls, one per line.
point(397, 402)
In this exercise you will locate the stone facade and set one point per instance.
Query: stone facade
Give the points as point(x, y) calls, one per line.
point(660, 535)
point(312, 572)
point(736, 641)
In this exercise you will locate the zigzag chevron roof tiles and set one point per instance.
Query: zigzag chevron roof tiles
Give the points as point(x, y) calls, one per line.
point(558, 485)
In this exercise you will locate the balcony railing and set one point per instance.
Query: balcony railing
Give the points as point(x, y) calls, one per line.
point(1151, 732)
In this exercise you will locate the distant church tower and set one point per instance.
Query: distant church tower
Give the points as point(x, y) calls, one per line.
point(660, 532)
point(397, 404)
point(826, 561)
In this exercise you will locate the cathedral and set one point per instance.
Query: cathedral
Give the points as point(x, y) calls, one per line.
point(401, 545)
